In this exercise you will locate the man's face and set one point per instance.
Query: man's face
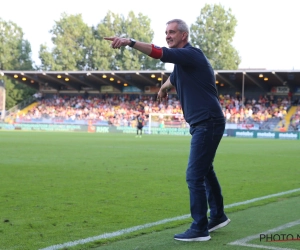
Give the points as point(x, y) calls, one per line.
point(174, 37)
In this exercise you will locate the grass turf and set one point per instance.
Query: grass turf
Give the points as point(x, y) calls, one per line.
point(245, 223)
point(61, 187)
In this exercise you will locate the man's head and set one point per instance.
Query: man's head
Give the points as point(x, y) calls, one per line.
point(177, 33)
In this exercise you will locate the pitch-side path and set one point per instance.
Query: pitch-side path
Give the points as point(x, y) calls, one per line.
point(148, 225)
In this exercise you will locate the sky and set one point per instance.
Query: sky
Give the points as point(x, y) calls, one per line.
point(267, 35)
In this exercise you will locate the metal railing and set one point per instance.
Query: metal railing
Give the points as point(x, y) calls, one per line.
point(19, 106)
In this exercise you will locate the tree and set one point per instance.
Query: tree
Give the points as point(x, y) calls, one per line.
point(80, 47)
point(102, 57)
point(72, 39)
point(213, 32)
point(15, 54)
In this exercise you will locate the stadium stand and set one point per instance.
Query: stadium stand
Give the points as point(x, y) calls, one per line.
point(120, 110)
point(252, 98)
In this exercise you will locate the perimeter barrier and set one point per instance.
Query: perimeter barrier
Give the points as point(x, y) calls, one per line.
point(91, 128)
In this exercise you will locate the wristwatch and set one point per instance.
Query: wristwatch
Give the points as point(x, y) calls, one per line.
point(132, 42)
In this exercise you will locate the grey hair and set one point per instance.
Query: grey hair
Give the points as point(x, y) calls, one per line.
point(182, 26)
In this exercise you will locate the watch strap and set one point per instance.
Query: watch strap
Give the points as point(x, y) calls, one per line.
point(132, 42)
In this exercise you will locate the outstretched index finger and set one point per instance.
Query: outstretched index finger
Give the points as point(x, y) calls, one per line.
point(109, 38)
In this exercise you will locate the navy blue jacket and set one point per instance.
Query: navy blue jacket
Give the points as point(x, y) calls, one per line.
point(194, 81)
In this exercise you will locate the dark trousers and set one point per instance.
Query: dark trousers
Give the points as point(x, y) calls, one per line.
point(139, 129)
point(201, 178)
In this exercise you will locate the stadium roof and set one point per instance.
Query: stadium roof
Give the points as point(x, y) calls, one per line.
point(95, 80)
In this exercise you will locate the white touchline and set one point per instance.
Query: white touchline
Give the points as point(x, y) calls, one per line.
point(243, 242)
point(136, 228)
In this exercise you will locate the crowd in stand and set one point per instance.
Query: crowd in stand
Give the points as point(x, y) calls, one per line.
point(295, 120)
point(121, 110)
point(262, 109)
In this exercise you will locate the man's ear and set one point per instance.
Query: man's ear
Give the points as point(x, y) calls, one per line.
point(184, 36)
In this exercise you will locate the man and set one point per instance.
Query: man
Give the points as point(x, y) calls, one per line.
point(194, 81)
point(139, 125)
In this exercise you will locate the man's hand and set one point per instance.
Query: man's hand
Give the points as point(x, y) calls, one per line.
point(118, 42)
point(162, 93)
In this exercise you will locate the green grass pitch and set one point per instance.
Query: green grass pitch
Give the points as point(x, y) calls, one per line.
point(59, 187)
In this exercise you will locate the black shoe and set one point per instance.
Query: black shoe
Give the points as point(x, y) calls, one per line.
point(215, 224)
point(192, 235)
